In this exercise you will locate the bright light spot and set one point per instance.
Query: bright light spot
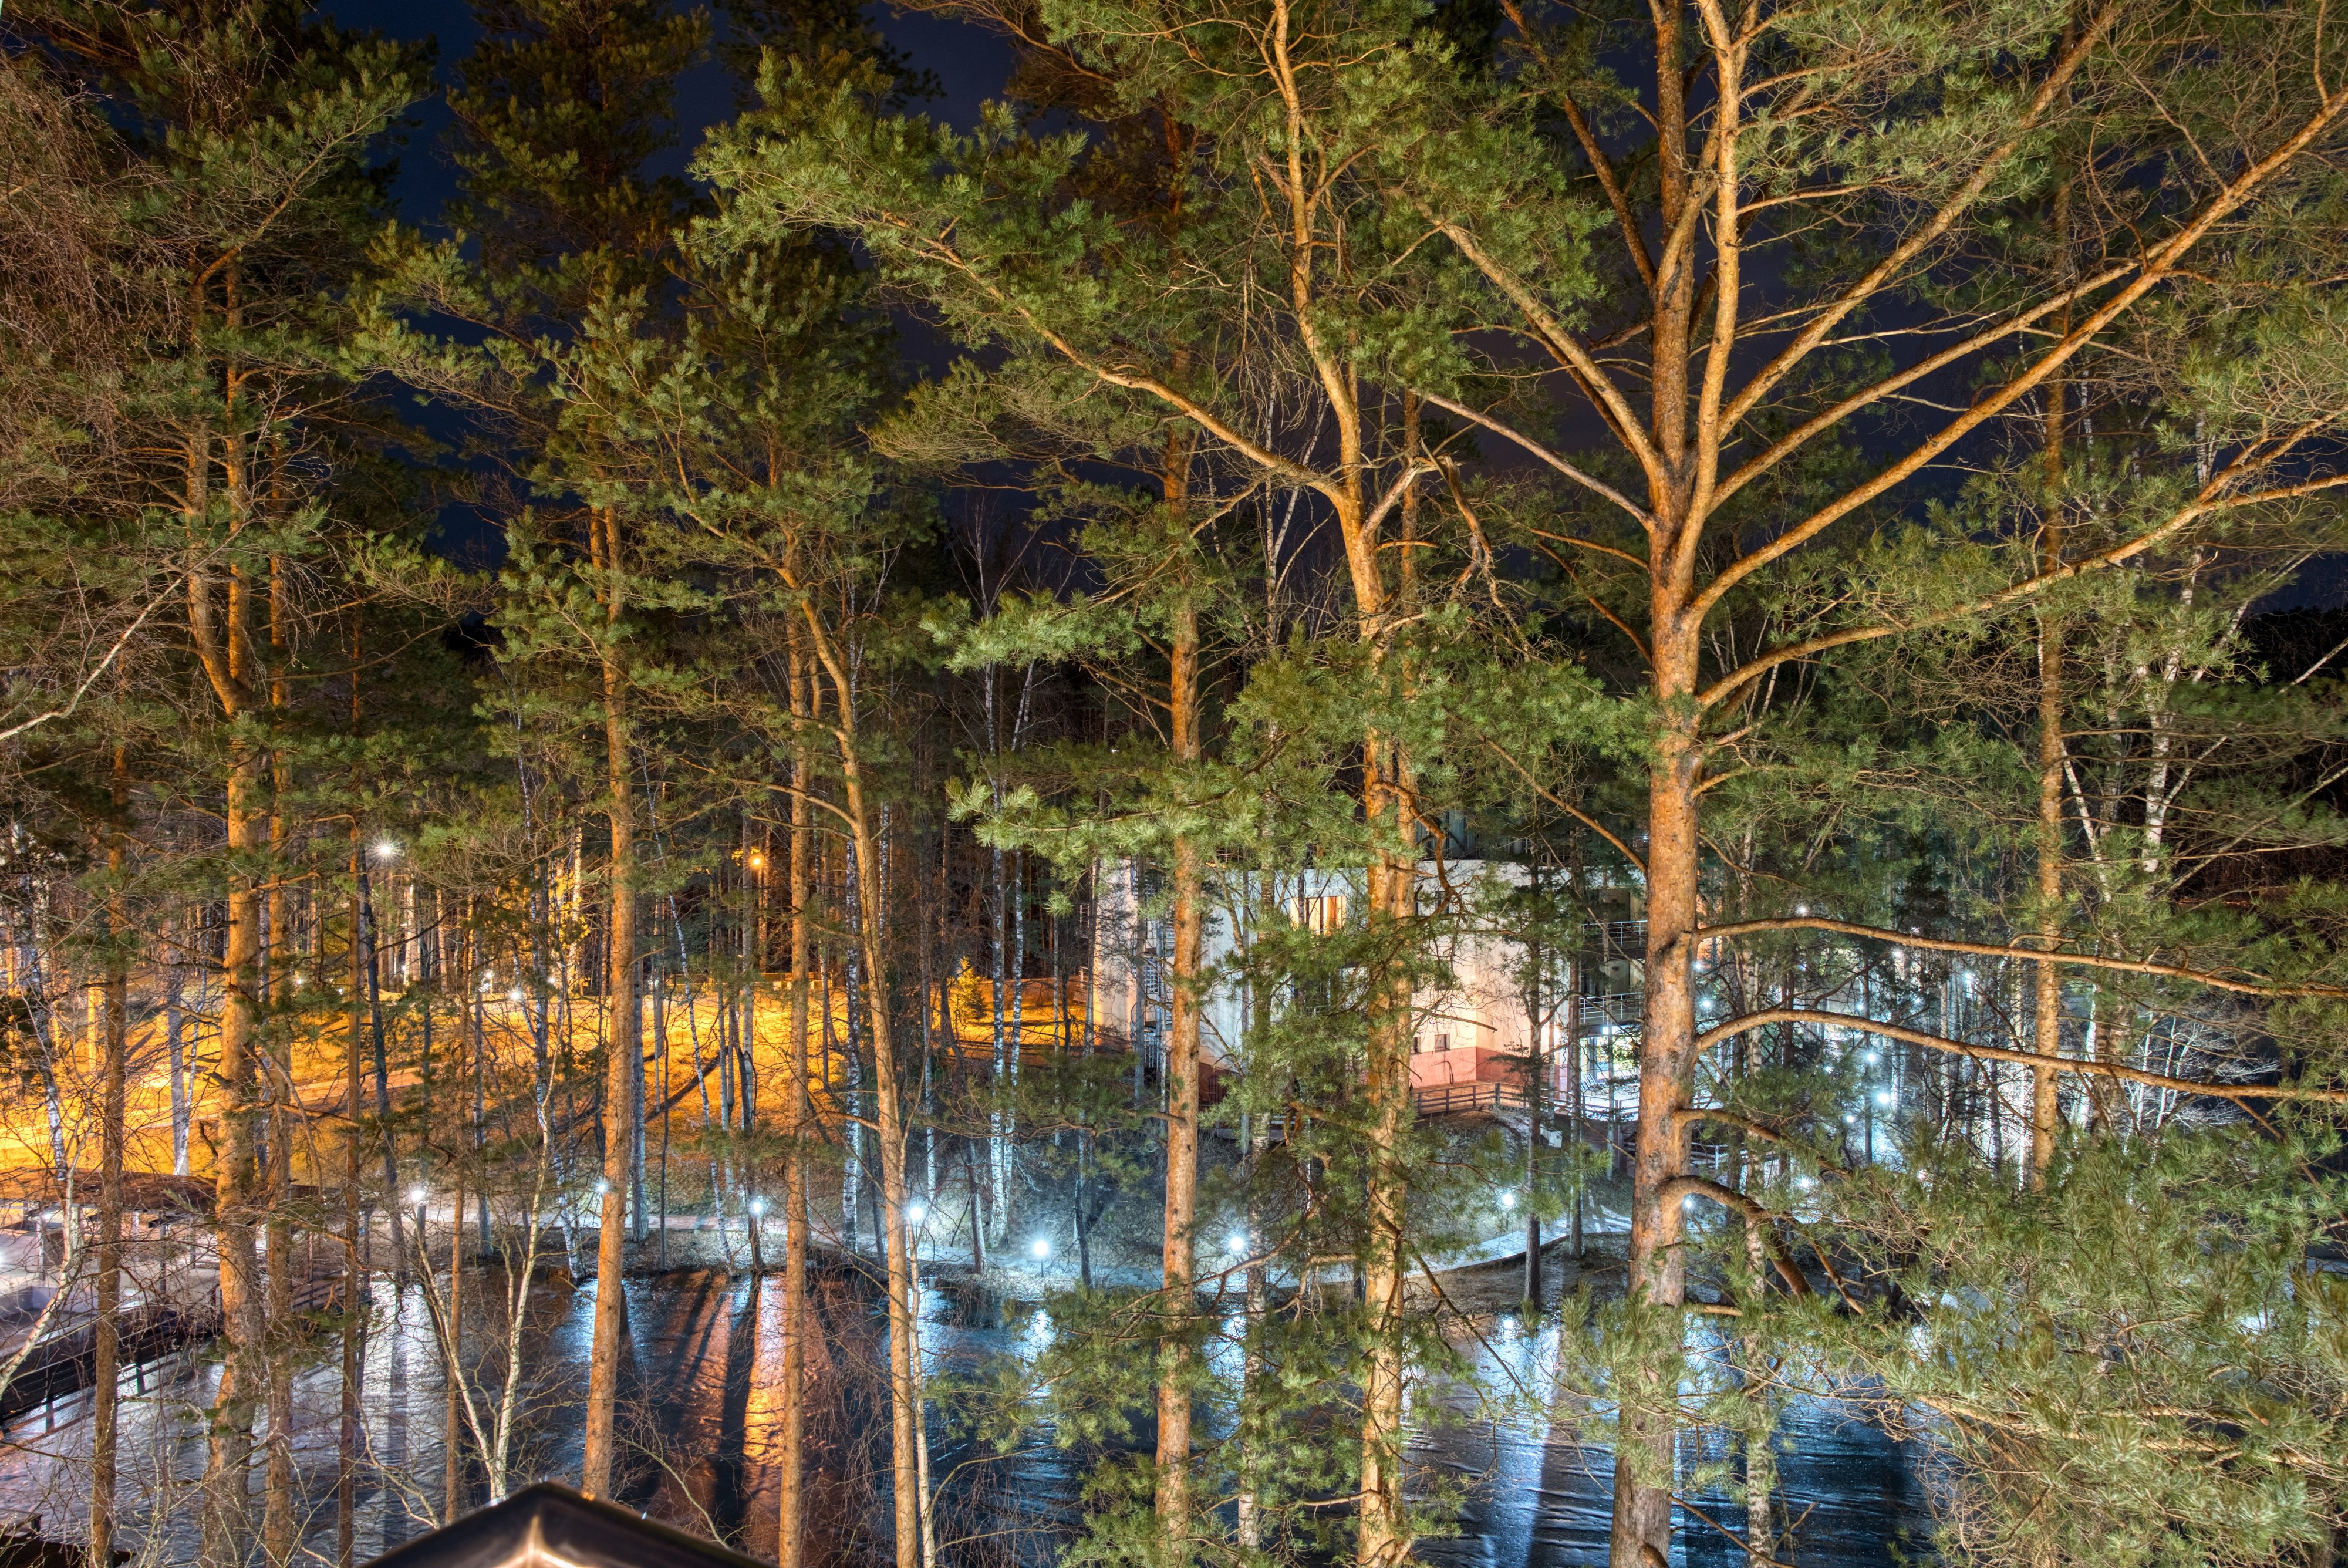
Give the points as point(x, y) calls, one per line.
point(758, 1207)
point(914, 1213)
point(514, 994)
point(1883, 1096)
point(1872, 1058)
point(1042, 1249)
point(1238, 1242)
point(384, 849)
point(1508, 1200)
point(1801, 909)
point(602, 1189)
point(417, 1195)
point(1688, 1201)
point(1849, 1119)
point(1804, 1183)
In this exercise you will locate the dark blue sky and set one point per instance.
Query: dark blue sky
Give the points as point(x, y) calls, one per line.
point(969, 64)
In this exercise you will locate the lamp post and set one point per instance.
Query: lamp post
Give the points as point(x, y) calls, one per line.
point(757, 1217)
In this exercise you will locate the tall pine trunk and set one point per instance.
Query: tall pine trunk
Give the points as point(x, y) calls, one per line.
point(624, 1040)
point(1175, 1355)
point(1645, 1452)
point(1384, 1537)
point(226, 651)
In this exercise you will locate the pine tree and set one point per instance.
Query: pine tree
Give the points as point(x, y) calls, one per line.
point(249, 129)
point(561, 108)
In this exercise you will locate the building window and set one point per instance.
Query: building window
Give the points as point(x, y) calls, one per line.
point(1322, 913)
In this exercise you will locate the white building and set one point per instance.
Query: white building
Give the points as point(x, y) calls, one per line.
point(1475, 1032)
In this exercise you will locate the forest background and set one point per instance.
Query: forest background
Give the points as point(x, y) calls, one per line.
point(1806, 527)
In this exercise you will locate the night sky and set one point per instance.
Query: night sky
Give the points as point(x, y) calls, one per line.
point(969, 64)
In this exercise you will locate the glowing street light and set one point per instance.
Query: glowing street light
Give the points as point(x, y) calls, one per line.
point(386, 850)
point(602, 1189)
point(1042, 1249)
point(1508, 1200)
point(758, 1207)
point(915, 1213)
point(416, 1194)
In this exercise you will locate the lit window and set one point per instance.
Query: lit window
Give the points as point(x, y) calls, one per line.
point(1322, 914)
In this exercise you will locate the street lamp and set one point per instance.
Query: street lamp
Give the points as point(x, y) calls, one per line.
point(1042, 1249)
point(386, 850)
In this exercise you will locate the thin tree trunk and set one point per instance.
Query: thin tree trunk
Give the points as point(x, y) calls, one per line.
point(279, 1533)
point(660, 1044)
point(105, 1348)
point(1257, 1132)
point(1535, 1086)
point(904, 1401)
point(790, 1544)
point(888, 1110)
point(452, 1487)
point(175, 1039)
point(2047, 1001)
point(355, 1270)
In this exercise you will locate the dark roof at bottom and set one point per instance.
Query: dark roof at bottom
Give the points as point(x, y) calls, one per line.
point(552, 1526)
